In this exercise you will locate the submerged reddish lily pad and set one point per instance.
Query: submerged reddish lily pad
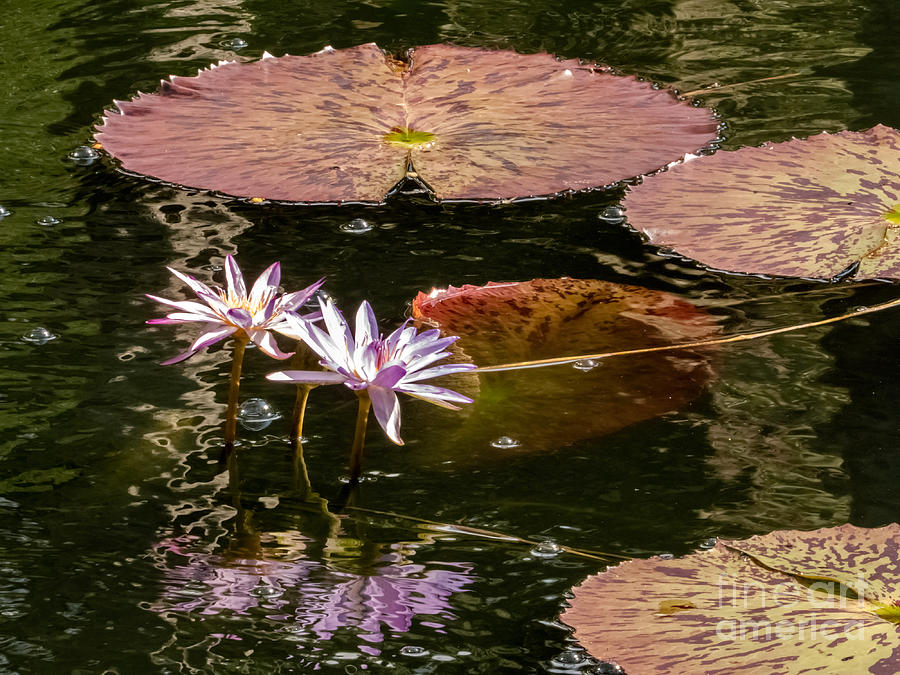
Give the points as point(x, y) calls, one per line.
point(547, 408)
point(825, 206)
point(788, 602)
point(348, 125)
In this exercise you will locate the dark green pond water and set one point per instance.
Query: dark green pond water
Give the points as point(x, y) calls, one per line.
point(123, 549)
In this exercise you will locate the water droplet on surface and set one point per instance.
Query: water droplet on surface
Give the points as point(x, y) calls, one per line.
point(313, 302)
point(606, 668)
point(612, 215)
point(861, 308)
point(234, 43)
point(357, 226)
point(39, 336)
point(4, 212)
point(256, 414)
point(411, 650)
point(264, 590)
point(568, 658)
point(546, 549)
point(84, 155)
point(586, 364)
point(48, 221)
point(505, 442)
point(707, 544)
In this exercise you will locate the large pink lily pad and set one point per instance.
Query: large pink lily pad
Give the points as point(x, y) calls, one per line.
point(825, 206)
point(349, 124)
point(788, 602)
point(547, 408)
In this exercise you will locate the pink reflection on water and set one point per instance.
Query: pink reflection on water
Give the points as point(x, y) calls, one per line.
point(310, 597)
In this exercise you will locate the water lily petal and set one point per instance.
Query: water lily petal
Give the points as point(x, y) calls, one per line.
point(436, 395)
point(178, 317)
point(446, 369)
point(203, 312)
point(240, 317)
point(201, 289)
point(317, 340)
point(266, 342)
point(387, 411)
point(366, 325)
point(235, 278)
point(268, 312)
point(214, 333)
point(389, 377)
point(269, 279)
point(336, 325)
point(293, 301)
point(306, 376)
point(400, 337)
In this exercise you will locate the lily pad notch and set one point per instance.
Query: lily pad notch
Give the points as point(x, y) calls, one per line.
point(350, 125)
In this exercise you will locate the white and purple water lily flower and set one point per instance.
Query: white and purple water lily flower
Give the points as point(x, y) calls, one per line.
point(379, 365)
point(232, 310)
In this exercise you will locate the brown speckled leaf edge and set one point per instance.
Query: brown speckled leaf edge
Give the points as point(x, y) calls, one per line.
point(810, 208)
point(740, 608)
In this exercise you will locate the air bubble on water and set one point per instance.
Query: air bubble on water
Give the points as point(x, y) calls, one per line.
point(264, 590)
point(612, 214)
point(39, 336)
point(234, 43)
point(357, 226)
point(256, 414)
point(505, 442)
point(84, 155)
point(707, 544)
point(412, 650)
point(568, 658)
point(546, 549)
point(666, 556)
point(48, 221)
point(585, 364)
point(4, 211)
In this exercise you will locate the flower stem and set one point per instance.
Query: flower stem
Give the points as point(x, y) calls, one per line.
point(359, 436)
point(237, 358)
point(299, 412)
point(304, 359)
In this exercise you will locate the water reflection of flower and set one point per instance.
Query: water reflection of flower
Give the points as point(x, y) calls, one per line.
point(309, 596)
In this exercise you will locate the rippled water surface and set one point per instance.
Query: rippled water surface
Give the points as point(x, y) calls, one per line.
point(127, 547)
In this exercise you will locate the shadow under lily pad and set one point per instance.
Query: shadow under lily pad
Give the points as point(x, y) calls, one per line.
point(547, 408)
point(350, 124)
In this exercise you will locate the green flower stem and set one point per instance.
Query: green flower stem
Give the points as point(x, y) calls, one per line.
point(300, 412)
point(304, 359)
point(301, 482)
point(237, 358)
point(359, 436)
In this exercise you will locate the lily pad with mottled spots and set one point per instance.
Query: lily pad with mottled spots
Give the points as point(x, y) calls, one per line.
point(827, 206)
point(547, 408)
point(788, 602)
point(350, 124)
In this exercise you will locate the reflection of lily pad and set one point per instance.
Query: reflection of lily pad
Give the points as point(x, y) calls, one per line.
point(550, 407)
point(821, 207)
point(786, 602)
point(344, 125)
